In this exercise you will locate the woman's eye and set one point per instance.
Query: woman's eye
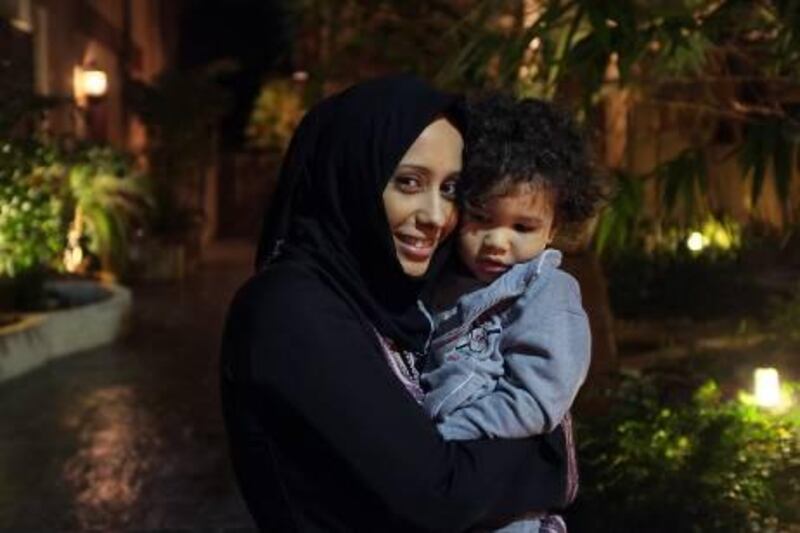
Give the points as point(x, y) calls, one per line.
point(449, 190)
point(407, 183)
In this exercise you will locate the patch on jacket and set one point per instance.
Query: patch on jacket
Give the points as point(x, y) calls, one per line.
point(479, 339)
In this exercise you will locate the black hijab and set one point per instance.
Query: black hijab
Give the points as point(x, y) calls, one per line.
point(328, 210)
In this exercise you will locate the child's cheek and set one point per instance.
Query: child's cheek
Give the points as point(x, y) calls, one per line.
point(468, 241)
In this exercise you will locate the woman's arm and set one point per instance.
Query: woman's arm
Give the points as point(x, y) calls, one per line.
point(301, 342)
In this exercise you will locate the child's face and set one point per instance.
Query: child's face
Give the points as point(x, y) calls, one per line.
point(507, 230)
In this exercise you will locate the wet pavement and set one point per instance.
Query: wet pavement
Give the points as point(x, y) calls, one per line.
point(129, 436)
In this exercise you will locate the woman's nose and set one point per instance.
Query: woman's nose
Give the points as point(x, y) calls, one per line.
point(434, 211)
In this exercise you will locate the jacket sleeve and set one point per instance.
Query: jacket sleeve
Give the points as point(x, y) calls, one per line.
point(308, 348)
point(546, 351)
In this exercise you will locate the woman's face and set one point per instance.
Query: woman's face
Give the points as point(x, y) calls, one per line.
point(420, 196)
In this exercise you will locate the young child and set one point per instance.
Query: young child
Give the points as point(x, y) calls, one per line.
point(512, 343)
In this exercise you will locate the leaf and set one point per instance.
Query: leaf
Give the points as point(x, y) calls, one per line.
point(681, 178)
point(605, 228)
point(590, 59)
point(597, 16)
point(782, 167)
point(797, 158)
point(701, 167)
point(756, 148)
point(617, 223)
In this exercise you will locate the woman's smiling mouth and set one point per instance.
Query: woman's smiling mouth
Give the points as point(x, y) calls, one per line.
point(415, 248)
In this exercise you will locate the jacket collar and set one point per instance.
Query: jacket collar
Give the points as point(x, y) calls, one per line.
point(511, 284)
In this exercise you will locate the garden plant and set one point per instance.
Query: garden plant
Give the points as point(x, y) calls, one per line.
point(701, 462)
point(59, 207)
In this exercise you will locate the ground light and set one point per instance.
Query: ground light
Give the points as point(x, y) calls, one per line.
point(714, 234)
point(767, 387)
point(696, 241)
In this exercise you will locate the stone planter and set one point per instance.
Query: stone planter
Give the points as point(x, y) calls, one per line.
point(97, 314)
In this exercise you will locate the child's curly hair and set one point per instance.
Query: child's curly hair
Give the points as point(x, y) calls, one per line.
point(510, 142)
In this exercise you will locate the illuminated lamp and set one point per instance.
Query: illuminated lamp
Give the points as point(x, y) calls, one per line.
point(94, 82)
point(767, 387)
point(89, 82)
point(696, 242)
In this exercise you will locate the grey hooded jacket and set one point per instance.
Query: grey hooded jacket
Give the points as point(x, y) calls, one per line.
point(508, 359)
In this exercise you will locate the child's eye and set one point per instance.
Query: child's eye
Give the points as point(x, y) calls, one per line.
point(448, 189)
point(407, 183)
point(523, 228)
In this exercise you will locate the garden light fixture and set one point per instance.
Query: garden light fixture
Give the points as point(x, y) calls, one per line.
point(767, 387)
point(696, 242)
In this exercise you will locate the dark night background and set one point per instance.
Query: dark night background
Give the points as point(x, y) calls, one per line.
point(254, 34)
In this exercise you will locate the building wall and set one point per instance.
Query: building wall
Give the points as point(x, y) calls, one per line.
point(128, 39)
point(656, 135)
point(70, 33)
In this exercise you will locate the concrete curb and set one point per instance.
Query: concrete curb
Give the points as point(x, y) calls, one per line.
point(99, 317)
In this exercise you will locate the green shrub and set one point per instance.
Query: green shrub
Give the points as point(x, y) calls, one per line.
point(704, 465)
point(31, 208)
point(276, 113)
point(52, 198)
point(106, 196)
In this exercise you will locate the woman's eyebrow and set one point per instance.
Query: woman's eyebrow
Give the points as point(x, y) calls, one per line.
point(417, 168)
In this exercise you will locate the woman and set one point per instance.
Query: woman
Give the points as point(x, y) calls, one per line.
point(318, 346)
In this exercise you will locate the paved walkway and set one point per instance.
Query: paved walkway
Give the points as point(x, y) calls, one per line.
point(129, 436)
